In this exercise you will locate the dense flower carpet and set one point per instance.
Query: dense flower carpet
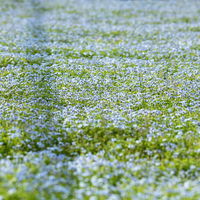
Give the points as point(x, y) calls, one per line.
point(99, 100)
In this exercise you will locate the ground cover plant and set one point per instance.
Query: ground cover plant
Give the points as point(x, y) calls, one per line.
point(99, 100)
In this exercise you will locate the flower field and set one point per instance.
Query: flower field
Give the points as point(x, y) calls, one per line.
point(99, 100)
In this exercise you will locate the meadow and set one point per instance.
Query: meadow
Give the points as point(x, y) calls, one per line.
point(99, 100)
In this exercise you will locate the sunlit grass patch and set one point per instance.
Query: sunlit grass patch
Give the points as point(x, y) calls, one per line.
point(8, 60)
point(191, 29)
point(196, 47)
point(126, 13)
